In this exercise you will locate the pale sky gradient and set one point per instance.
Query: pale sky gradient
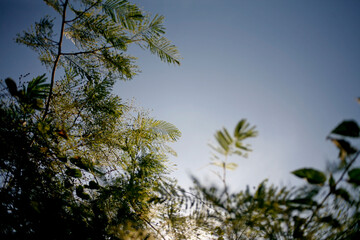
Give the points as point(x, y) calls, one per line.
point(292, 68)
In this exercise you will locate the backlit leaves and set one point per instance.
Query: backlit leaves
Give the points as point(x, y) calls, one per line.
point(228, 145)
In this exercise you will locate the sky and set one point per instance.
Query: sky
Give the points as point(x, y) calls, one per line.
point(289, 67)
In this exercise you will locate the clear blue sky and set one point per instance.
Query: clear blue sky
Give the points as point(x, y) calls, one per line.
point(292, 68)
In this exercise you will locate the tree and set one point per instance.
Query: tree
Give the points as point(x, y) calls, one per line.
point(78, 164)
point(100, 32)
point(325, 208)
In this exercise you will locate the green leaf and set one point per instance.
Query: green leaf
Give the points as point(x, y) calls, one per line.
point(331, 221)
point(343, 194)
point(123, 13)
point(240, 146)
point(227, 136)
point(311, 175)
point(151, 33)
point(43, 127)
point(81, 163)
point(354, 176)
point(348, 129)
point(54, 4)
point(304, 201)
point(332, 183)
point(243, 130)
point(72, 172)
point(164, 128)
point(93, 185)
point(218, 163)
point(231, 166)
point(63, 159)
point(68, 184)
point(80, 193)
point(222, 141)
point(239, 127)
point(11, 85)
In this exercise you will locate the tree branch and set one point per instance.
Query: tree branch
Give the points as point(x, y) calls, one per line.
point(87, 52)
point(57, 58)
point(148, 222)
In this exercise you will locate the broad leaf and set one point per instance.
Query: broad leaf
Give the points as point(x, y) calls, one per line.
point(311, 175)
point(80, 193)
point(354, 176)
point(303, 201)
point(93, 185)
point(348, 129)
point(343, 194)
point(11, 85)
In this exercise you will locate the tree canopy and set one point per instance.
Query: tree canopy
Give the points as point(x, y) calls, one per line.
point(78, 162)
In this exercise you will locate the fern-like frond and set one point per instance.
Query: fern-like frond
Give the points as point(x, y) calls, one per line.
point(123, 13)
point(37, 88)
point(55, 4)
point(227, 145)
point(165, 129)
point(162, 47)
point(39, 38)
point(150, 35)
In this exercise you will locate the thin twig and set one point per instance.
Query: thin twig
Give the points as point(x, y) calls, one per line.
point(148, 222)
point(88, 52)
point(330, 192)
point(83, 12)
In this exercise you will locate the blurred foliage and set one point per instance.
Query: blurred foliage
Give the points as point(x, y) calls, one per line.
point(79, 163)
point(327, 207)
